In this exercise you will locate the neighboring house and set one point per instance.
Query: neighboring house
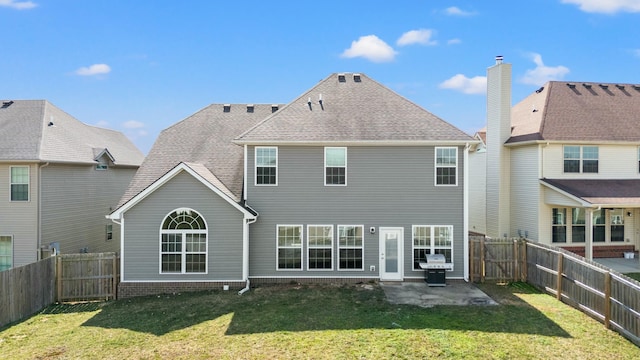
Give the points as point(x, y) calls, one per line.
point(60, 177)
point(563, 165)
point(349, 182)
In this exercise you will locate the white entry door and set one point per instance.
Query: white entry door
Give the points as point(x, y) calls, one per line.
point(391, 253)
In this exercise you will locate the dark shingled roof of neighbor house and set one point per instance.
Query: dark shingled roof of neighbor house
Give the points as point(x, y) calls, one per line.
point(577, 111)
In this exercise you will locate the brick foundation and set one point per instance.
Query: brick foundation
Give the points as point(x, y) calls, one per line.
point(614, 251)
point(319, 280)
point(133, 289)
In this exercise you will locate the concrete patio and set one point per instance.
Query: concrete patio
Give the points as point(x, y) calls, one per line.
point(621, 265)
point(456, 292)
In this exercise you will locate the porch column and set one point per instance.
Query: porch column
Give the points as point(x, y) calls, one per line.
point(588, 236)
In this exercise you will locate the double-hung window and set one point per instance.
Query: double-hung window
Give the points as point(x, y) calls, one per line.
point(289, 247)
point(320, 247)
point(266, 160)
point(335, 166)
point(183, 243)
point(430, 239)
point(6, 252)
point(559, 225)
point(19, 183)
point(580, 159)
point(578, 233)
point(617, 225)
point(599, 227)
point(446, 165)
point(350, 247)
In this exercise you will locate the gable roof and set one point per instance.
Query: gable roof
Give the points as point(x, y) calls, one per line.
point(586, 112)
point(36, 130)
point(352, 108)
point(203, 138)
point(200, 173)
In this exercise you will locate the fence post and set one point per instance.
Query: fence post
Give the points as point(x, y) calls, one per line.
point(114, 278)
point(515, 260)
point(525, 261)
point(559, 278)
point(607, 299)
point(482, 264)
point(58, 277)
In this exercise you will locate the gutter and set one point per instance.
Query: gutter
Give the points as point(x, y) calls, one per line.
point(39, 245)
point(245, 253)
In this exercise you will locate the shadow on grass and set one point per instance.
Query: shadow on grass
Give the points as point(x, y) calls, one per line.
point(314, 308)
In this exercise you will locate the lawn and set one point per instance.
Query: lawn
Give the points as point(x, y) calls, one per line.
point(335, 322)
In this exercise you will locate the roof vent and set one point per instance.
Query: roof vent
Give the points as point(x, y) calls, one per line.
point(309, 103)
point(226, 108)
point(499, 59)
point(621, 87)
point(540, 90)
point(274, 108)
point(604, 86)
point(342, 78)
point(6, 104)
point(571, 86)
point(357, 78)
point(588, 86)
point(250, 108)
point(636, 87)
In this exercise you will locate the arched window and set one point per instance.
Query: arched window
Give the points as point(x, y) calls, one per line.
point(183, 243)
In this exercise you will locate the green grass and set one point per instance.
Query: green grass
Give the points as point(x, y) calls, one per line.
point(336, 322)
point(635, 276)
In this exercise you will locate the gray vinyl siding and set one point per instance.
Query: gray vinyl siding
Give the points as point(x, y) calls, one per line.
point(142, 232)
point(386, 187)
point(75, 200)
point(478, 192)
point(19, 219)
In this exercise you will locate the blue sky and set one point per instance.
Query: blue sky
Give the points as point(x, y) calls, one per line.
point(141, 66)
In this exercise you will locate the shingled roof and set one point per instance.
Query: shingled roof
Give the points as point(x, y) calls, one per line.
point(202, 140)
point(36, 130)
point(621, 192)
point(588, 112)
point(352, 108)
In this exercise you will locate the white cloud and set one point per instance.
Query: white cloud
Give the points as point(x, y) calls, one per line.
point(459, 82)
point(371, 48)
point(606, 6)
point(456, 11)
point(95, 69)
point(133, 124)
point(420, 36)
point(541, 74)
point(454, 41)
point(19, 5)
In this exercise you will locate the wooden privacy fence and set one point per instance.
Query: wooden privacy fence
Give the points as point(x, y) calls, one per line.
point(499, 260)
point(83, 277)
point(25, 290)
point(608, 296)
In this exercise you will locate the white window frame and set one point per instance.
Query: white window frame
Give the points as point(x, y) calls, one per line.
point(437, 166)
point(309, 246)
point(346, 156)
point(432, 247)
point(256, 165)
point(102, 165)
point(581, 159)
point(28, 183)
point(299, 247)
point(10, 255)
point(183, 238)
point(350, 247)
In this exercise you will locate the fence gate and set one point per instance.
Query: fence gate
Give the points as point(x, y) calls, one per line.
point(84, 277)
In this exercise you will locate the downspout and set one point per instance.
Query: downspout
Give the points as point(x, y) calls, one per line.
point(465, 205)
point(245, 254)
point(39, 245)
